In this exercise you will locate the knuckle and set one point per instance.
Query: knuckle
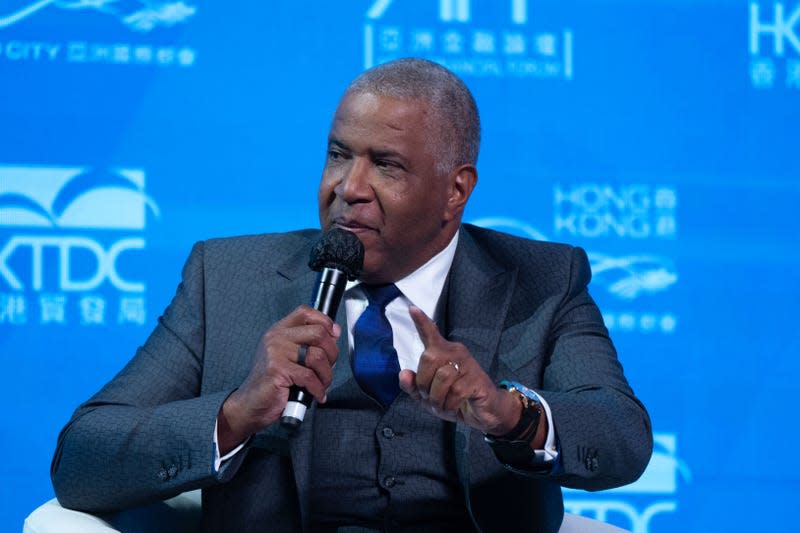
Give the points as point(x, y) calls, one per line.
point(310, 376)
point(268, 337)
point(316, 356)
point(332, 353)
point(302, 313)
point(460, 388)
point(427, 357)
point(317, 335)
point(311, 352)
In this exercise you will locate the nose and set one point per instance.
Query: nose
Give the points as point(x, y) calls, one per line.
point(355, 185)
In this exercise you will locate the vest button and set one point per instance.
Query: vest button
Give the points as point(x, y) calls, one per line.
point(388, 433)
point(389, 481)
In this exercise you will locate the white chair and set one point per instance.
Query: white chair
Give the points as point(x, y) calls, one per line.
point(181, 515)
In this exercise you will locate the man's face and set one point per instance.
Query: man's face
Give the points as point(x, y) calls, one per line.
point(380, 182)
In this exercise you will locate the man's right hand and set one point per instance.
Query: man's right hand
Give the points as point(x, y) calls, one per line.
point(261, 398)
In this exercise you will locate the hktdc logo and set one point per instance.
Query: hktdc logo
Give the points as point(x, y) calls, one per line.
point(68, 236)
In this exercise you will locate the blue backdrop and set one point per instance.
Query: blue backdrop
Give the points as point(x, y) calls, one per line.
point(659, 135)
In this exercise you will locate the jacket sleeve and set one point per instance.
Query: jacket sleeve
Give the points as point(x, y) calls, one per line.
point(603, 430)
point(147, 434)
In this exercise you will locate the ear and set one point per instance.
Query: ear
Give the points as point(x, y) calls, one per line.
point(461, 183)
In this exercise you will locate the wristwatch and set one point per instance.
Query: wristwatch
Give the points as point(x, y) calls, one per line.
point(514, 448)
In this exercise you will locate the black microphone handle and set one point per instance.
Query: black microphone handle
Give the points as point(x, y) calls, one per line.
point(328, 291)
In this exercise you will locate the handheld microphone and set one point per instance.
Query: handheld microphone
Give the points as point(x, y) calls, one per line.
point(337, 256)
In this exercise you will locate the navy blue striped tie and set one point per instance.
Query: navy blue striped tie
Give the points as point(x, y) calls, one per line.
point(375, 364)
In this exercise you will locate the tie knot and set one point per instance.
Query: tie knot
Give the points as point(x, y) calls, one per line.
point(381, 295)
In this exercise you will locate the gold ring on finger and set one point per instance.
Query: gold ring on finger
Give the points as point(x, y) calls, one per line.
point(455, 366)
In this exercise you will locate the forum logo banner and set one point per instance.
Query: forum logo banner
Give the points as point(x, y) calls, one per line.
point(470, 37)
point(774, 44)
point(594, 212)
point(71, 245)
point(26, 32)
point(595, 215)
point(630, 211)
point(627, 278)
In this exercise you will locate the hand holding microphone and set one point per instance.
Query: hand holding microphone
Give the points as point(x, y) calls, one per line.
point(278, 378)
point(337, 256)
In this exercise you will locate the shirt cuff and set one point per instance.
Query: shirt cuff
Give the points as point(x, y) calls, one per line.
point(218, 461)
point(550, 453)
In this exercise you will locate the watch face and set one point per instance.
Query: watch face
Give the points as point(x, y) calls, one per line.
point(526, 402)
point(521, 388)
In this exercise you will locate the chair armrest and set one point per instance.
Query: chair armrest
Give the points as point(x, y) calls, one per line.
point(50, 517)
point(180, 514)
point(580, 524)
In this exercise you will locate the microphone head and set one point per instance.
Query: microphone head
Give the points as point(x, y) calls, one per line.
point(338, 249)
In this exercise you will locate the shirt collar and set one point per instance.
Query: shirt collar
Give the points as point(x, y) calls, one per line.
point(423, 287)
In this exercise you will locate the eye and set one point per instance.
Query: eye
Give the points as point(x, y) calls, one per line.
point(334, 154)
point(387, 164)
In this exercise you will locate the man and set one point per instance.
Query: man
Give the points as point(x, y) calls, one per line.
point(509, 390)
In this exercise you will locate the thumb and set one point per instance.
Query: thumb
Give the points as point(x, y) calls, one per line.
point(408, 383)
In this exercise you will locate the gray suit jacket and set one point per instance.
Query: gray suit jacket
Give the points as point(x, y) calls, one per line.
point(520, 307)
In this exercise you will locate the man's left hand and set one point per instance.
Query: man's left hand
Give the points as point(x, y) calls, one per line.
point(451, 384)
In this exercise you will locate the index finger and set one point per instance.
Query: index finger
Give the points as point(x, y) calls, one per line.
point(427, 328)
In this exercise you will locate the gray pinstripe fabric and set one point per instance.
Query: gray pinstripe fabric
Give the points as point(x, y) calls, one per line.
point(521, 307)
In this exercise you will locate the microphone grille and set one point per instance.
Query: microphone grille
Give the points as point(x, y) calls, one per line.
point(339, 249)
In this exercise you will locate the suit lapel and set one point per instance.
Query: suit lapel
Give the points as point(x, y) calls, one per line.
point(478, 294)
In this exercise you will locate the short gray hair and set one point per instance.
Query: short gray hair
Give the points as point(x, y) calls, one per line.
point(454, 112)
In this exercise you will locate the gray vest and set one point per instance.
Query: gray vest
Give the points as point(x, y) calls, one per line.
point(387, 470)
